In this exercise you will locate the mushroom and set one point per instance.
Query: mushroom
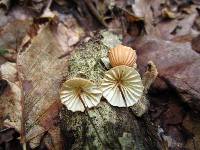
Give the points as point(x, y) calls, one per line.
point(78, 94)
point(122, 55)
point(122, 86)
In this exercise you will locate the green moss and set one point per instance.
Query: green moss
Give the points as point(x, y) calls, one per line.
point(86, 62)
point(110, 40)
point(127, 141)
point(3, 51)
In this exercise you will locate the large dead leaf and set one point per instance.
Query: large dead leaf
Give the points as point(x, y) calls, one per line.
point(178, 65)
point(41, 72)
point(30, 103)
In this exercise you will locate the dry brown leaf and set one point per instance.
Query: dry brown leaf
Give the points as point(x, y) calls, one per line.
point(48, 14)
point(34, 110)
point(142, 9)
point(178, 65)
point(166, 28)
point(4, 4)
point(31, 100)
point(11, 97)
point(41, 72)
point(168, 13)
point(185, 26)
point(61, 2)
point(192, 126)
point(12, 34)
point(68, 32)
point(11, 106)
point(195, 44)
point(8, 71)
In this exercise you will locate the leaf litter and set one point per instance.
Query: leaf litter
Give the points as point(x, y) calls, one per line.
point(38, 42)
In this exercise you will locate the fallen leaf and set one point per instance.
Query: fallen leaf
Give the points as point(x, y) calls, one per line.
point(175, 139)
point(4, 4)
point(178, 66)
point(195, 44)
point(168, 13)
point(41, 72)
point(192, 125)
point(184, 26)
point(196, 2)
point(8, 71)
point(10, 97)
point(142, 9)
point(68, 32)
point(7, 135)
point(13, 33)
point(61, 2)
point(47, 14)
point(30, 103)
point(3, 85)
point(166, 28)
point(139, 8)
point(11, 106)
point(174, 115)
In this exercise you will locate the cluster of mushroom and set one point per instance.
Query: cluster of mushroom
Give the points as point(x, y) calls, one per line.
point(121, 86)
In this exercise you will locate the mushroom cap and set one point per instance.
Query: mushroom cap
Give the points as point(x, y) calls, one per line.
point(122, 55)
point(73, 89)
point(130, 82)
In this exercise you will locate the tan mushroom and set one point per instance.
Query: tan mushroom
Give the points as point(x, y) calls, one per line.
point(122, 55)
point(77, 94)
point(122, 86)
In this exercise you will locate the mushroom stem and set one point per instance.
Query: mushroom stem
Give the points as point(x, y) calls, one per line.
point(90, 119)
point(120, 89)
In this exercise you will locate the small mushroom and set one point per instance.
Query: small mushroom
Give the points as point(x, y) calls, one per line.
point(78, 94)
point(122, 86)
point(122, 55)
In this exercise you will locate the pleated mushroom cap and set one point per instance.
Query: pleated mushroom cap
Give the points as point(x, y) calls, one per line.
point(73, 89)
point(130, 82)
point(122, 55)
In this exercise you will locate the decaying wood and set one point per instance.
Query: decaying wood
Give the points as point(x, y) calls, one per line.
point(119, 128)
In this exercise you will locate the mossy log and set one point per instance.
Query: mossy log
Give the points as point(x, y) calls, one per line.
point(115, 128)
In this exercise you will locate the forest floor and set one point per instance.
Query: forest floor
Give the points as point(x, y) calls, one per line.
point(164, 31)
